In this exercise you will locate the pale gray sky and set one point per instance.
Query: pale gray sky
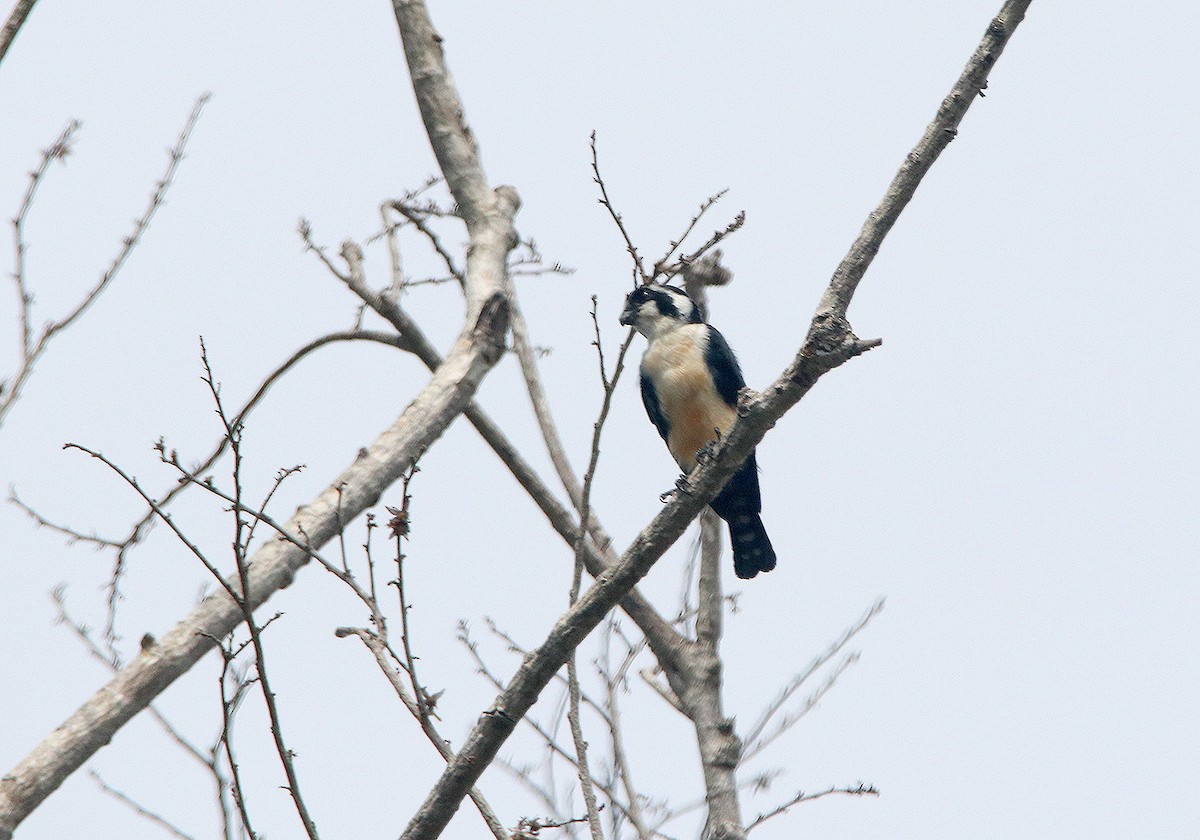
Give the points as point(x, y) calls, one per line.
point(1015, 470)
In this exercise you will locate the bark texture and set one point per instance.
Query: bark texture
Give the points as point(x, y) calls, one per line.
point(12, 26)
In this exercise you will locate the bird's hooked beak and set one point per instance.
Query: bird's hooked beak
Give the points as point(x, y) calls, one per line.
point(629, 316)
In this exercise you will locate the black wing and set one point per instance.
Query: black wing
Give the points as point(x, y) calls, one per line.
point(723, 365)
point(650, 400)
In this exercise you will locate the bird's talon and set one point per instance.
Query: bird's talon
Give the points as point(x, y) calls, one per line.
point(709, 450)
point(679, 489)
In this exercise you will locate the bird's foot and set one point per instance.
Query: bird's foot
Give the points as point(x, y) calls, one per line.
point(709, 450)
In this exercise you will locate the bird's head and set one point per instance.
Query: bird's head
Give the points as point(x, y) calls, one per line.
point(655, 309)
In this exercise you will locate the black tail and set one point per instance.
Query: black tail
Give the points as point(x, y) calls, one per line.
point(752, 551)
point(739, 504)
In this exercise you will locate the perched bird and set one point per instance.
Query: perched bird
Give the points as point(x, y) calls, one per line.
point(690, 384)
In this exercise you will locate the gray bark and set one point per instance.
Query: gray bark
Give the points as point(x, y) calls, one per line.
point(13, 25)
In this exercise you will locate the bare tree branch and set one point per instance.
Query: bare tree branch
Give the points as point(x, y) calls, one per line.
point(13, 25)
point(639, 271)
point(229, 707)
point(541, 408)
point(719, 236)
point(755, 741)
point(419, 703)
point(444, 117)
point(163, 823)
point(857, 790)
point(233, 590)
point(698, 687)
point(705, 206)
point(32, 350)
point(73, 535)
point(609, 384)
point(415, 218)
point(933, 142)
point(84, 635)
point(613, 681)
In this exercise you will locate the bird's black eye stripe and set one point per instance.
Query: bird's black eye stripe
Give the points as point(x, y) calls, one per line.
point(667, 306)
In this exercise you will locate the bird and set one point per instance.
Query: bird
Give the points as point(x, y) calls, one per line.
point(690, 381)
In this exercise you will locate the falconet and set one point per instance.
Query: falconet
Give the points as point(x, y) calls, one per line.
point(690, 383)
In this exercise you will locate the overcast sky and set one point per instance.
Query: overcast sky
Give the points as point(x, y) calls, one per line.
point(1015, 470)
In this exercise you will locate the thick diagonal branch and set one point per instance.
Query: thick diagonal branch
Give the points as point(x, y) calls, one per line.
point(12, 26)
point(933, 142)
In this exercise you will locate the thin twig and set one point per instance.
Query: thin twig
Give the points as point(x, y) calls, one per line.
point(140, 810)
point(858, 790)
point(705, 206)
point(758, 782)
point(60, 149)
point(242, 535)
point(531, 829)
point(464, 637)
point(524, 775)
point(541, 405)
point(273, 377)
point(73, 536)
point(390, 230)
point(713, 241)
point(33, 350)
point(609, 386)
point(533, 257)
point(416, 218)
point(613, 680)
point(420, 703)
point(229, 706)
point(754, 747)
point(752, 738)
point(161, 514)
point(400, 525)
point(639, 271)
